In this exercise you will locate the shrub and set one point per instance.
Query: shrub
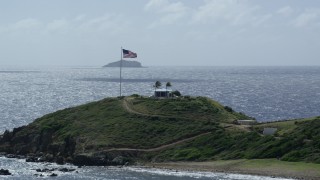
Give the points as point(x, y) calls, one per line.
point(229, 109)
point(135, 95)
point(176, 93)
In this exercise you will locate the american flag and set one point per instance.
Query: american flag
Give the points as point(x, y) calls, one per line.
point(129, 54)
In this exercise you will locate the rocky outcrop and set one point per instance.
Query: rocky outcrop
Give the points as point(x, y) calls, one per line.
point(36, 147)
point(40, 148)
point(106, 158)
point(4, 172)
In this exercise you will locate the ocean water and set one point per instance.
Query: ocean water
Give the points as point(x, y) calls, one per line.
point(266, 93)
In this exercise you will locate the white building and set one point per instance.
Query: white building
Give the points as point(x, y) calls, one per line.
point(162, 93)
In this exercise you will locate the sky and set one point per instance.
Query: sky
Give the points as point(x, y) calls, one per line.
point(161, 32)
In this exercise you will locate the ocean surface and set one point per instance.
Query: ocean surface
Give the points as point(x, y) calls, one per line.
point(266, 93)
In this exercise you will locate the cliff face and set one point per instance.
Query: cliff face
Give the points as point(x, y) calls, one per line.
point(41, 145)
point(133, 64)
point(36, 144)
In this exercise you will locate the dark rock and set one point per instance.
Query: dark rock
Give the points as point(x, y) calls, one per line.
point(45, 170)
point(48, 158)
point(11, 156)
point(21, 157)
point(68, 159)
point(53, 174)
point(66, 170)
point(54, 148)
point(119, 160)
point(102, 159)
point(38, 175)
point(44, 140)
point(90, 160)
point(4, 172)
point(60, 160)
point(81, 160)
point(7, 135)
point(70, 145)
point(31, 159)
point(41, 159)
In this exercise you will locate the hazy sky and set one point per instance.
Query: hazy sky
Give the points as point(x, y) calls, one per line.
point(161, 32)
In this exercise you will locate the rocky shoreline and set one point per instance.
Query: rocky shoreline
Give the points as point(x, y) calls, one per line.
point(210, 166)
point(38, 172)
point(78, 160)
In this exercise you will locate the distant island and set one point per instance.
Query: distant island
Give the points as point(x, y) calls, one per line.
point(131, 64)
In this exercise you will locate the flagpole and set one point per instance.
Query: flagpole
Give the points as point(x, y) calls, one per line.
point(120, 71)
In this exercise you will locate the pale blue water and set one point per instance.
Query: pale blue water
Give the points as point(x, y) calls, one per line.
point(267, 93)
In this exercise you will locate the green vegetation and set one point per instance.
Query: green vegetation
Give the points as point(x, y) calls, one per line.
point(196, 108)
point(137, 123)
point(106, 124)
point(168, 84)
point(157, 85)
point(283, 127)
point(301, 142)
point(176, 93)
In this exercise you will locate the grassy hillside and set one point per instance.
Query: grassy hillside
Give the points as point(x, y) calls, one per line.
point(284, 127)
point(133, 122)
point(181, 129)
point(197, 108)
point(106, 124)
point(296, 141)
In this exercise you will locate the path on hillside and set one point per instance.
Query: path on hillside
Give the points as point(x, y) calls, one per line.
point(241, 127)
point(127, 106)
point(159, 148)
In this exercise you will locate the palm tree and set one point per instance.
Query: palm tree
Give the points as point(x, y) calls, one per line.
point(157, 85)
point(168, 85)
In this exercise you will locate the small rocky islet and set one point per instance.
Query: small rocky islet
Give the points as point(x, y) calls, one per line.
point(125, 63)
